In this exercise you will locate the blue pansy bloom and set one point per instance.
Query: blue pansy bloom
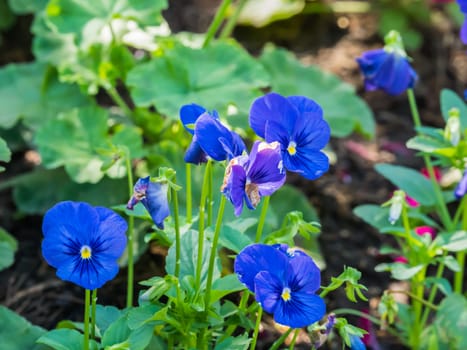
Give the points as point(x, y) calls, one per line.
point(356, 343)
point(284, 282)
point(210, 137)
point(461, 188)
point(388, 68)
point(297, 123)
point(83, 242)
point(153, 195)
point(250, 177)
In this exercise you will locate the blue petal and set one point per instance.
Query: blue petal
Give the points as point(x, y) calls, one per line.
point(310, 164)
point(189, 114)
point(256, 258)
point(272, 107)
point(268, 290)
point(461, 188)
point(300, 311)
point(195, 154)
point(356, 343)
point(110, 242)
point(234, 184)
point(371, 61)
point(208, 131)
point(303, 275)
point(61, 245)
point(463, 32)
point(305, 105)
point(276, 132)
point(265, 167)
point(156, 203)
point(233, 146)
point(311, 132)
point(139, 191)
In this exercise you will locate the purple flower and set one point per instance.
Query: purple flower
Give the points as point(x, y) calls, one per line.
point(284, 282)
point(251, 177)
point(461, 188)
point(153, 195)
point(463, 5)
point(210, 137)
point(387, 70)
point(297, 123)
point(83, 242)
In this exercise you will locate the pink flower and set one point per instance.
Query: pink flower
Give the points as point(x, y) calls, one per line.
point(425, 230)
point(401, 259)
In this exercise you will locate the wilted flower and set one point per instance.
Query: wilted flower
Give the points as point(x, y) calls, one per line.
point(210, 137)
point(452, 131)
point(297, 123)
point(397, 202)
point(388, 68)
point(284, 282)
point(251, 177)
point(461, 188)
point(153, 195)
point(83, 242)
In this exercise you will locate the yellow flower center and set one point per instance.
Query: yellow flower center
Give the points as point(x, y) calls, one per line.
point(286, 294)
point(85, 252)
point(292, 148)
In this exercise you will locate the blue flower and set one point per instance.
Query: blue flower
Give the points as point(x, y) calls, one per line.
point(461, 188)
point(153, 195)
point(284, 282)
point(297, 123)
point(251, 177)
point(210, 137)
point(356, 343)
point(83, 242)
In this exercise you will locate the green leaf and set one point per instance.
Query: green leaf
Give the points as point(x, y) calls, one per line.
point(224, 286)
point(7, 18)
point(119, 336)
point(442, 283)
point(71, 141)
point(410, 181)
point(8, 247)
point(189, 257)
point(215, 77)
point(16, 333)
point(400, 271)
point(290, 77)
point(233, 239)
point(453, 242)
point(31, 92)
point(241, 342)
point(40, 190)
point(91, 21)
point(23, 7)
point(260, 13)
point(105, 316)
point(373, 214)
point(65, 339)
point(427, 144)
point(5, 153)
point(449, 99)
point(451, 318)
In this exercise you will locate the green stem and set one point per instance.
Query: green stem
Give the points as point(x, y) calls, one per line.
point(113, 93)
point(442, 208)
point(202, 207)
point(256, 331)
point(279, 341)
point(177, 232)
point(431, 296)
point(241, 308)
point(212, 257)
point(294, 339)
point(216, 22)
point(210, 195)
point(459, 275)
point(413, 296)
point(188, 193)
point(131, 224)
point(262, 219)
point(87, 301)
point(232, 21)
point(93, 313)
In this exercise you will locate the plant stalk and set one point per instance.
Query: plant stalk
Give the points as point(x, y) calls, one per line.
point(216, 22)
point(262, 219)
point(93, 313)
point(189, 199)
point(87, 301)
point(232, 21)
point(256, 331)
point(131, 224)
point(177, 232)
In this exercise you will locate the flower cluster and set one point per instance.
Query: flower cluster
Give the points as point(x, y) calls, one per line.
point(284, 282)
point(83, 242)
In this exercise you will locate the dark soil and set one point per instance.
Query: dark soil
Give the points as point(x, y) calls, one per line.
point(30, 285)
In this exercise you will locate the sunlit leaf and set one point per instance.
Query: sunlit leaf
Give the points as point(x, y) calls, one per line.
point(22, 7)
point(217, 76)
point(262, 12)
point(5, 153)
point(343, 109)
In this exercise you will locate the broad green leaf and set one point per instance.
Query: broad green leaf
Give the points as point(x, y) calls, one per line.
point(16, 333)
point(65, 339)
point(343, 109)
point(426, 144)
point(105, 316)
point(451, 318)
point(400, 271)
point(119, 336)
point(188, 258)
point(30, 92)
point(449, 99)
point(215, 77)
point(8, 247)
point(453, 242)
point(22, 7)
point(241, 342)
point(260, 13)
point(224, 286)
point(38, 191)
point(5, 153)
point(373, 214)
point(410, 181)
point(71, 140)
point(91, 20)
point(442, 283)
point(233, 239)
